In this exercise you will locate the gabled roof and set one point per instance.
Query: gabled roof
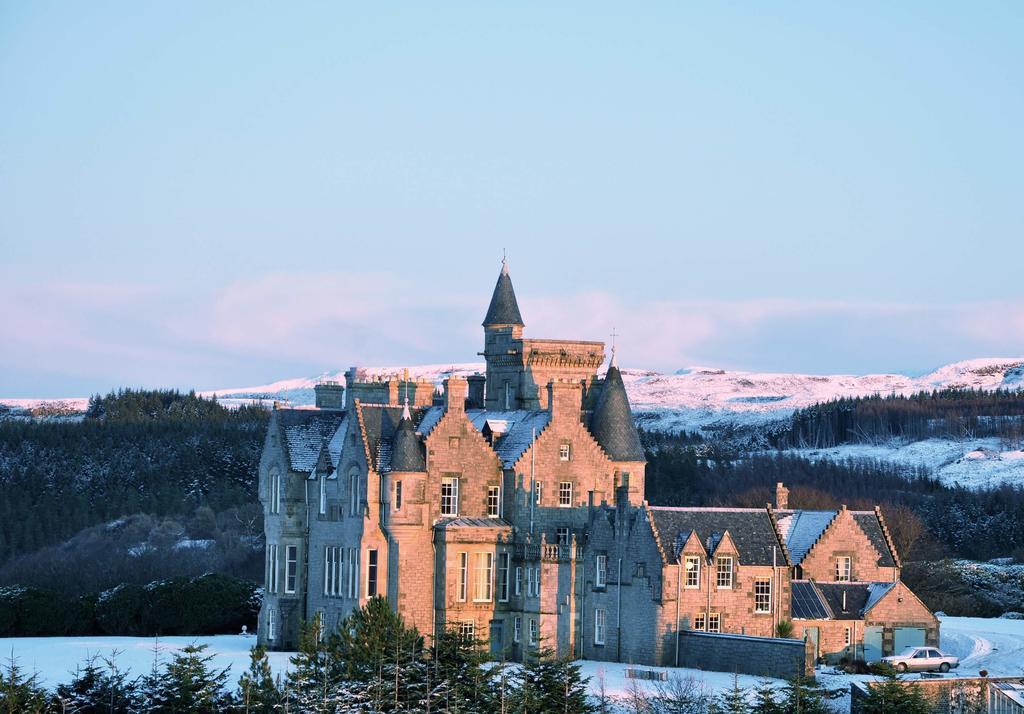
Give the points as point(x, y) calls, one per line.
point(869, 523)
point(824, 601)
point(380, 425)
point(612, 421)
point(304, 432)
point(521, 425)
point(407, 452)
point(751, 530)
point(504, 309)
point(801, 529)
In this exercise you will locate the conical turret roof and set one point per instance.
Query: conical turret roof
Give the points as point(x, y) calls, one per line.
point(612, 422)
point(503, 310)
point(406, 449)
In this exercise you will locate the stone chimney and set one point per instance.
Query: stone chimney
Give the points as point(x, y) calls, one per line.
point(565, 398)
point(476, 391)
point(781, 497)
point(456, 391)
point(329, 395)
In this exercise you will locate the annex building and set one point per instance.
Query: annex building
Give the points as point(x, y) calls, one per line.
point(511, 506)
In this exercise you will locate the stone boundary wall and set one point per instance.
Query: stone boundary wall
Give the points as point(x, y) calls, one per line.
point(744, 654)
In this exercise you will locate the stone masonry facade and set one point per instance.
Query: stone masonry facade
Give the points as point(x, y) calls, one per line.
point(511, 506)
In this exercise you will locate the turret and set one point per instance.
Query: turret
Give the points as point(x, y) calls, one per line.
point(504, 309)
point(613, 428)
point(406, 449)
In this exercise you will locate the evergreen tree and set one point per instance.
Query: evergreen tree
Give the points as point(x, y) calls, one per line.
point(732, 700)
point(257, 691)
point(99, 686)
point(546, 683)
point(460, 680)
point(21, 693)
point(765, 701)
point(187, 684)
point(803, 695)
point(892, 694)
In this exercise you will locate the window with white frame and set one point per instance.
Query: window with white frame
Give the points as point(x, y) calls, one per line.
point(529, 582)
point(508, 396)
point(449, 496)
point(691, 564)
point(271, 624)
point(353, 493)
point(700, 622)
point(536, 582)
point(600, 617)
point(353, 572)
point(519, 580)
point(846, 636)
point(371, 572)
point(460, 593)
point(467, 630)
point(321, 625)
point(762, 595)
point(275, 492)
point(483, 572)
point(565, 494)
point(398, 495)
point(517, 628)
point(564, 452)
point(504, 567)
point(332, 571)
point(724, 574)
point(538, 492)
point(323, 494)
point(273, 567)
point(844, 568)
point(534, 632)
point(493, 501)
point(601, 574)
point(562, 535)
point(714, 622)
point(291, 567)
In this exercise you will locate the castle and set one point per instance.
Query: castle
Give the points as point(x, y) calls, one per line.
point(511, 507)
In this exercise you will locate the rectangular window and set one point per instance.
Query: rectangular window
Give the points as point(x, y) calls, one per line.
point(529, 582)
point(371, 572)
point(273, 567)
point(275, 492)
point(467, 630)
point(323, 494)
point(700, 622)
point(398, 495)
point(517, 628)
point(564, 452)
point(271, 625)
point(460, 593)
point(332, 571)
point(599, 626)
point(762, 595)
point(844, 568)
point(534, 633)
point(714, 622)
point(538, 492)
point(692, 565)
point(504, 566)
point(519, 580)
point(508, 396)
point(536, 582)
point(353, 494)
point(601, 576)
point(453, 443)
point(562, 534)
point(321, 624)
point(483, 577)
point(449, 496)
point(353, 573)
point(724, 575)
point(846, 636)
point(291, 566)
point(565, 494)
point(493, 502)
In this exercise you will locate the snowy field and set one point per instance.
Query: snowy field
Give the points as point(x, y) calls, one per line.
point(995, 645)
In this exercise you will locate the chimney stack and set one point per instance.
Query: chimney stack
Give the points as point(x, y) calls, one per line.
point(456, 391)
point(781, 497)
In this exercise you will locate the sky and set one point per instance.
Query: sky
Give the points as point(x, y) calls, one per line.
point(220, 194)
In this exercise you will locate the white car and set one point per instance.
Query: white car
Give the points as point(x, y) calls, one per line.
point(921, 659)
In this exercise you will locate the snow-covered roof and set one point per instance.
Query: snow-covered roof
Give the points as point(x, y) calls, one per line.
point(801, 529)
point(522, 426)
point(305, 432)
point(750, 529)
point(876, 591)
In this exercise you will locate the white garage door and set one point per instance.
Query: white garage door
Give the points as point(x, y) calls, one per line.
point(908, 637)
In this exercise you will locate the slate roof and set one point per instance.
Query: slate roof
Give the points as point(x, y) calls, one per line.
point(868, 521)
point(612, 421)
point(521, 425)
point(750, 529)
point(807, 603)
point(446, 523)
point(504, 309)
point(305, 431)
point(381, 425)
point(407, 451)
point(856, 599)
point(801, 529)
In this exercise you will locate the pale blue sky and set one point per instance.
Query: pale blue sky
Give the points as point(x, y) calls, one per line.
point(216, 194)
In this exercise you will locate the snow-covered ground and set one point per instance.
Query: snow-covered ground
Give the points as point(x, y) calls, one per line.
point(995, 645)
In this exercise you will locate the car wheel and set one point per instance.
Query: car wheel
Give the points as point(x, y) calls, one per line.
point(901, 667)
point(944, 667)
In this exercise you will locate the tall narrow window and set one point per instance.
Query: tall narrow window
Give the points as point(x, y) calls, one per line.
point(846, 636)
point(508, 396)
point(692, 565)
point(275, 492)
point(562, 535)
point(762, 595)
point(353, 493)
point(714, 622)
point(332, 571)
point(724, 574)
point(398, 495)
point(844, 568)
point(463, 577)
point(353, 573)
point(517, 628)
point(536, 582)
point(504, 565)
point(273, 567)
point(493, 501)
point(449, 496)
point(271, 625)
point(601, 576)
point(538, 491)
point(534, 634)
point(519, 580)
point(565, 494)
point(323, 494)
point(482, 577)
point(371, 572)
point(291, 566)
point(529, 582)
point(600, 616)
point(321, 625)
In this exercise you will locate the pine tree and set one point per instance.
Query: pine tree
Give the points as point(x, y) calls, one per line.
point(546, 683)
point(732, 700)
point(188, 684)
point(891, 694)
point(100, 686)
point(803, 695)
point(257, 691)
point(21, 693)
point(765, 701)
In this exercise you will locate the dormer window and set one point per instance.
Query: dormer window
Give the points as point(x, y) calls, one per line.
point(691, 563)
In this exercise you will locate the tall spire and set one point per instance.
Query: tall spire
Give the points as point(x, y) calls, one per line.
point(406, 448)
point(504, 309)
point(612, 422)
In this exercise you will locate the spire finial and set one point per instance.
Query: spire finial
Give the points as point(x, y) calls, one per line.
point(405, 409)
point(504, 262)
point(612, 362)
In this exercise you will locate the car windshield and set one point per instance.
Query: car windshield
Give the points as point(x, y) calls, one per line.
point(908, 652)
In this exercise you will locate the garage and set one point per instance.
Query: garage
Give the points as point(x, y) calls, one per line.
point(872, 644)
point(904, 637)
